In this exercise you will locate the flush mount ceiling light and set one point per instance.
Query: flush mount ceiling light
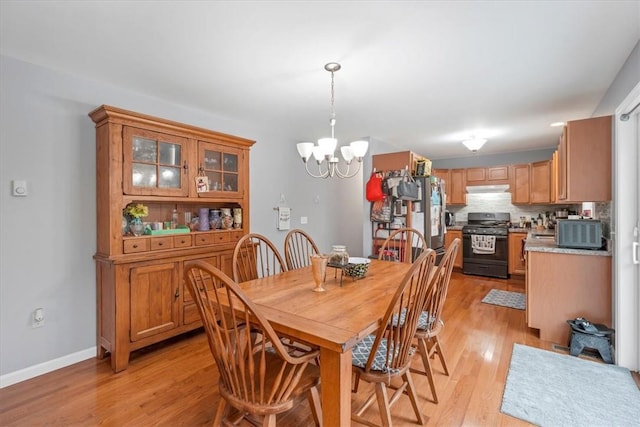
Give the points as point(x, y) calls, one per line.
point(474, 144)
point(325, 149)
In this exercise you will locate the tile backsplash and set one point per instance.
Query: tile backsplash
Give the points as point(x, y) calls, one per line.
point(501, 202)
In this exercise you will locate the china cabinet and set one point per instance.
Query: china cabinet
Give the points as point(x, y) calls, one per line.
point(158, 163)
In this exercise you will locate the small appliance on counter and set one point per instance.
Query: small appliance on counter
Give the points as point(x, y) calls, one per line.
point(449, 219)
point(579, 233)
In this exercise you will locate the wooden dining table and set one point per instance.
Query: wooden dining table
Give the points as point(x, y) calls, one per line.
point(334, 320)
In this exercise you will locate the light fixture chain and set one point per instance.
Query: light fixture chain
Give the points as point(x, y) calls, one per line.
point(332, 120)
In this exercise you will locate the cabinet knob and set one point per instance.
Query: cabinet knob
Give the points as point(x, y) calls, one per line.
point(177, 294)
point(185, 167)
point(160, 244)
point(135, 246)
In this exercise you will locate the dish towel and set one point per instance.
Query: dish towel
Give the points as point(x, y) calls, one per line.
point(481, 244)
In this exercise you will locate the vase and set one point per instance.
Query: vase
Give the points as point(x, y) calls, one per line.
point(136, 226)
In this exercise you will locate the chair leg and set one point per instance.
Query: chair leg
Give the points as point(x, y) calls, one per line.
point(438, 348)
point(383, 404)
point(428, 372)
point(413, 396)
point(221, 412)
point(316, 408)
point(269, 420)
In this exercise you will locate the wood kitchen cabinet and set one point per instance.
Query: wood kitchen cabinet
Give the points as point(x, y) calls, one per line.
point(141, 297)
point(449, 237)
point(492, 175)
point(563, 286)
point(457, 188)
point(517, 263)
point(455, 185)
point(520, 184)
point(584, 161)
point(541, 182)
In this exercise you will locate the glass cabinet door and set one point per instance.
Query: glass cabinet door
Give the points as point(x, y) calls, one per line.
point(154, 163)
point(221, 165)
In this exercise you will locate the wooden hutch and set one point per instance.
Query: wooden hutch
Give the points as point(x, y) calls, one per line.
point(141, 298)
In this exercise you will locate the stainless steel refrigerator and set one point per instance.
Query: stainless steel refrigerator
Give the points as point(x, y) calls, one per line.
point(427, 214)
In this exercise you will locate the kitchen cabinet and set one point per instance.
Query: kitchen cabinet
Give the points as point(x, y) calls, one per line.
point(455, 185)
point(449, 237)
point(541, 182)
point(457, 188)
point(563, 286)
point(554, 177)
point(141, 297)
point(516, 253)
point(397, 161)
point(584, 161)
point(520, 184)
point(492, 175)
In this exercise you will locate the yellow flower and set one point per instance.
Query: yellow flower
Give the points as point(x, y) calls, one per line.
point(136, 211)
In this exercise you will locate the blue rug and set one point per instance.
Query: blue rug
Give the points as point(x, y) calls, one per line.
point(505, 298)
point(550, 389)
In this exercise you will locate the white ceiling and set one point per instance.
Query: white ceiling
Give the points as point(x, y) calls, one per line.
point(420, 74)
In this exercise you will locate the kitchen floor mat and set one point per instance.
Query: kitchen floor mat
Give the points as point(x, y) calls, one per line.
point(505, 298)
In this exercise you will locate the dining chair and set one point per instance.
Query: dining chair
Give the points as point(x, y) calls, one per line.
point(403, 245)
point(382, 357)
point(298, 246)
point(257, 378)
point(431, 322)
point(255, 256)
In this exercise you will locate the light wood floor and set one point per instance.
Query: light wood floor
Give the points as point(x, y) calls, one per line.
point(175, 383)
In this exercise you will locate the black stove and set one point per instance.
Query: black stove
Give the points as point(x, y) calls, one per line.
point(485, 249)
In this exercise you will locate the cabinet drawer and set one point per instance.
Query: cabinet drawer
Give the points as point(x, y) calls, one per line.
point(204, 239)
point(235, 236)
point(182, 241)
point(220, 237)
point(190, 314)
point(132, 246)
point(158, 243)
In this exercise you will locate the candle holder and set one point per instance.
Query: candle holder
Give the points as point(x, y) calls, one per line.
point(319, 269)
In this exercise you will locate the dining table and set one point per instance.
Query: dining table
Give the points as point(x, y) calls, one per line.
point(334, 320)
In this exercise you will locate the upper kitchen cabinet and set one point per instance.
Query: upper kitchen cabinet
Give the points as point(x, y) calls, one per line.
point(584, 161)
point(456, 188)
point(493, 175)
point(454, 185)
point(541, 182)
point(521, 184)
point(398, 161)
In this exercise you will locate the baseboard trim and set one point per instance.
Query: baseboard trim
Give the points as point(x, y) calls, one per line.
point(45, 367)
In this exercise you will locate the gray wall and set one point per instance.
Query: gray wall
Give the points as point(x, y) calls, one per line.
point(495, 159)
point(627, 78)
point(48, 238)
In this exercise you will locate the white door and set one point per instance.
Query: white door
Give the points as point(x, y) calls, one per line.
point(626, 225)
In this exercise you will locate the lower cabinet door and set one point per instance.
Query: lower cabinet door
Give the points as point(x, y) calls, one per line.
point(155, 299)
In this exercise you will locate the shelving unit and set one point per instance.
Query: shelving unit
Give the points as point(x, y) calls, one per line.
point(141, 297)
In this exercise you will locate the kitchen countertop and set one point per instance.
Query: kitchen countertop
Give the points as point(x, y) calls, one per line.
point(549, 245)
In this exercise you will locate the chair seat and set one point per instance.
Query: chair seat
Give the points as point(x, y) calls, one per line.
point(424, 321)
point(360, 355)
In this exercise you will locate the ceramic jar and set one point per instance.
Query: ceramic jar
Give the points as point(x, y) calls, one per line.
point(227, 219)
point(237, 217)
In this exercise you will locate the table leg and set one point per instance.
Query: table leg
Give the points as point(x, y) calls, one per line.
point(335, 374)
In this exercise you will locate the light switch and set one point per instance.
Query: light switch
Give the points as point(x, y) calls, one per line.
point(303, 220)
point(19, 188)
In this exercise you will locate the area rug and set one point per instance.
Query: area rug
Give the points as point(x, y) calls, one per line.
point(505, 299)
point(550, 389)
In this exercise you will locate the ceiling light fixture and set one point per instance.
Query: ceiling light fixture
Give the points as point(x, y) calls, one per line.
point(474, 144)
point(325, 150)
point(557, 124)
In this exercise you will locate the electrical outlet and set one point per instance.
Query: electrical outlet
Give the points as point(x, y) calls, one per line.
point(38, 318)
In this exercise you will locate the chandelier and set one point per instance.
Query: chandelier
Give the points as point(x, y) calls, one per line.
point(474, 144)
point(326, 147)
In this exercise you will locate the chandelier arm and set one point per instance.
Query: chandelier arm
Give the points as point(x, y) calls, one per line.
point(321, 174)
point(346, 173)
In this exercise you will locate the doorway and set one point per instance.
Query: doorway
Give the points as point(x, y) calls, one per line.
point(626, 225)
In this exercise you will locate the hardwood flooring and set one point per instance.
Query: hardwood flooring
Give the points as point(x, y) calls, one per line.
point(175, 383)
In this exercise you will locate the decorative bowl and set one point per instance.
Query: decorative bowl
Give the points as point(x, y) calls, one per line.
point(357, 267)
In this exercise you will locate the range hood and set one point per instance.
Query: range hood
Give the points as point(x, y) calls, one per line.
point(488, 188)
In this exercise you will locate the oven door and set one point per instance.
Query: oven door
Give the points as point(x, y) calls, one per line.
point(492, 265)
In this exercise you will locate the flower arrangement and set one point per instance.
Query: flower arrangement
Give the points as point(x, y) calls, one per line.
point(136, 211)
